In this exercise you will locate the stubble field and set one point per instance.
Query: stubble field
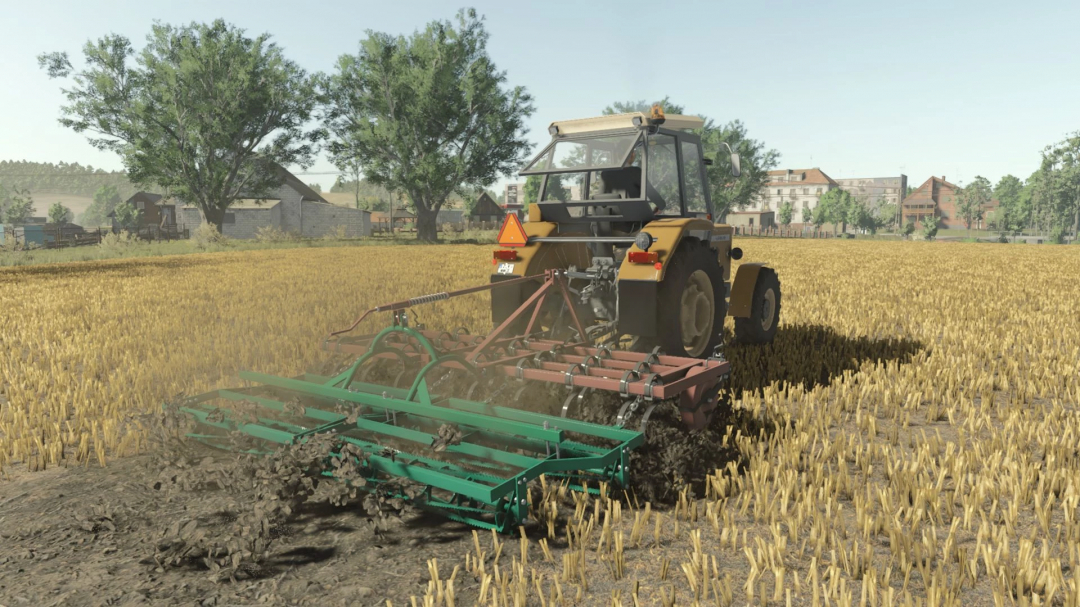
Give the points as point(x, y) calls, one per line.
point(912, 436)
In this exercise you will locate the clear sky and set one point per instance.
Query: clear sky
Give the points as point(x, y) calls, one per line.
point(858, 88)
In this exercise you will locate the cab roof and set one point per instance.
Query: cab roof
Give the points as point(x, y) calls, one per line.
point(620, 121)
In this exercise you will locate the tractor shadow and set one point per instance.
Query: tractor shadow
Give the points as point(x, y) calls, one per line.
point(810, 355)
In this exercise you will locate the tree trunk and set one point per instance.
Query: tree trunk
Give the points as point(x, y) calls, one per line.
point(426, 227)
point(214, 215)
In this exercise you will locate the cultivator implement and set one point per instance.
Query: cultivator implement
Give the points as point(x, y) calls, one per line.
point(473, 458)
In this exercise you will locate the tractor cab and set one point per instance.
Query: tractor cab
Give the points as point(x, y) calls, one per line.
point(609, 176)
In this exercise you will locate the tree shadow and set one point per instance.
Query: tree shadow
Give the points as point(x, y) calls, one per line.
point(810, 355)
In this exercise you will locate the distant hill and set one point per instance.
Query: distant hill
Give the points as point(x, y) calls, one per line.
point(57, 179)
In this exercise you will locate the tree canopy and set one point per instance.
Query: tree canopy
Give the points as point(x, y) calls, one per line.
point(1059, 187)
point(427, 115)
point(20, 207)
point(786, 212)
point(203, 110)
point(1013, 212)
point(58, 213)
point(836, 207)
point(973, 199)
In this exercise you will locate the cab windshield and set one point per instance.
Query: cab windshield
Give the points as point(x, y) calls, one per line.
point(587, 154)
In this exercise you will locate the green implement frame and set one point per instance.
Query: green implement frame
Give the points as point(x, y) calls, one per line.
point(481, 479)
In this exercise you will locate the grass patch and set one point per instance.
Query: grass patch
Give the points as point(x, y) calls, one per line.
point(10, 258)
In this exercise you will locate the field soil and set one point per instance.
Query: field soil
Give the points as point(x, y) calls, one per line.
point(89, 536)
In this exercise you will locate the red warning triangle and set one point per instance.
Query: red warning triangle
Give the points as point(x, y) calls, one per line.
point(512, 233)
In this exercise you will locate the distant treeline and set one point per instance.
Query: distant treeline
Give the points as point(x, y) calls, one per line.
point(64, 178)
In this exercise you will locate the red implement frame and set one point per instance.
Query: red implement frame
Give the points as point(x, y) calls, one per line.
point(578, 365)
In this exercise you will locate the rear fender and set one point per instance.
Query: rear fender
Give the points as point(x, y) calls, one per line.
point(742, 291)
point(668, 233)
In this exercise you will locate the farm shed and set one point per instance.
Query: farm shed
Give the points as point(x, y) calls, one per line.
point(754, 219)
point(451, 216)
point(48, 234)
point(292, 207)
point(487, 211)
point(154, 210)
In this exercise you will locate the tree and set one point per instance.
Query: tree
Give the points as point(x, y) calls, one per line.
point(203, 111)
point(316, 187)
point(5, 199)
point(786, 213)
point(427, 115)
point(727, 191)
point(126, 215)
point(105, 200)
point(909, 228)
point(930, 226)
point(1061, 186)
point(58, 213)
point(858, 214)
point(20, 207)
point(835, 207)
point(886, 215)
point(972, 200)
point(555, 189)
point(1012, 214)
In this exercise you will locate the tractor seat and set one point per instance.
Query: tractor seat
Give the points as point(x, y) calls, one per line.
point(625, 181)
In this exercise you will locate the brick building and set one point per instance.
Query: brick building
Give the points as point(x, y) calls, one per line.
point(800, 187)
point(936, 197)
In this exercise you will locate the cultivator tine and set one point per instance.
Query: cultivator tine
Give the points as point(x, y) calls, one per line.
point(493, 455)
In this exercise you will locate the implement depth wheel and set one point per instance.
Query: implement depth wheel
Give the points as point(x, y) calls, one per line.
point(691, 308)
point(760, 328)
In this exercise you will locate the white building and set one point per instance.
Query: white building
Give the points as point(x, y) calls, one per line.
point(801, 187)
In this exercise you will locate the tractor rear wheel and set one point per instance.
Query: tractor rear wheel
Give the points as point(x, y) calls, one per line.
point(760, 327)
point(691, 306)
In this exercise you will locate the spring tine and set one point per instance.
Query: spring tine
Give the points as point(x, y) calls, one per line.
point(645, 417)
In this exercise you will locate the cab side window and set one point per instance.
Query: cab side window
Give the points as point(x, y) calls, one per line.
point(694, 187)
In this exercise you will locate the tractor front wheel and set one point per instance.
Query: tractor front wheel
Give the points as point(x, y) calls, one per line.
point(760, 327)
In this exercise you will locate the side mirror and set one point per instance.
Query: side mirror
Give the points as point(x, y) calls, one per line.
point(736, 169)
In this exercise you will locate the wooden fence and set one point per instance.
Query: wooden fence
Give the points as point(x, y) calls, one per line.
point(780, 232)
point(66, 236)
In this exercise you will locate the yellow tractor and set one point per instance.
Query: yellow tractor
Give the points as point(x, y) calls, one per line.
point(624, 211)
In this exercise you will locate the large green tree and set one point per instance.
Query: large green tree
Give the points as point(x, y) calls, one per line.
point(973, 199)
point(1013, 211)
point(1061, 186)
point(836, 207)
point(428, 114)
point(203, 110)
point(727, 191)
